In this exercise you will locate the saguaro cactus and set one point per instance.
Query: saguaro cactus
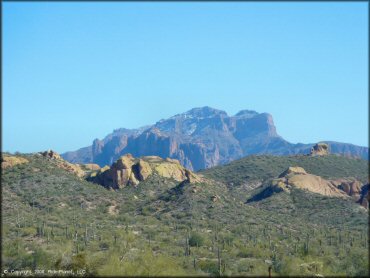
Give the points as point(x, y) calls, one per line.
point(219, 261)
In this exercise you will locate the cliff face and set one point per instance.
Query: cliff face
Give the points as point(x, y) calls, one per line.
point(201, 138)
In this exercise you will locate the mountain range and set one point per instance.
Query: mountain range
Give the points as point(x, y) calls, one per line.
point(202, 138)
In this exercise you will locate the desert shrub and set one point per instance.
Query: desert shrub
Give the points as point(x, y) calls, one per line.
point(209, 266)
point(196, 239)
point(79, 262)
point(104, 246)
point(145, 264)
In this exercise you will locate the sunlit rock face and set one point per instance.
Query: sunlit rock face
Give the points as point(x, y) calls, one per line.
point(130, 171)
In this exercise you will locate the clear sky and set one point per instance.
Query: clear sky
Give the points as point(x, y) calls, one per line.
point(73, 72)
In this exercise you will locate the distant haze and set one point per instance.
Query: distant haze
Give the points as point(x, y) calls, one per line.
point(73, 72)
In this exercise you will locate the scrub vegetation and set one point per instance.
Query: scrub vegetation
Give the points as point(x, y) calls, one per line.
point(51, 219)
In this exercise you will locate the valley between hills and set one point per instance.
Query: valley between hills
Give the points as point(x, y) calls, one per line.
point(299, 215)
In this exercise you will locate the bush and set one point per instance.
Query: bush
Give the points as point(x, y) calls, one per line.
point(196, 239)
point(209, 266)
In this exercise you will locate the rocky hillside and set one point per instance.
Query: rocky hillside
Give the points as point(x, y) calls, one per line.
point(163, 226)
point(201, 138)
point(260, 168)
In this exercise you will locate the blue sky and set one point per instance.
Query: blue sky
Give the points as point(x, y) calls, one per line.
point(73, 72)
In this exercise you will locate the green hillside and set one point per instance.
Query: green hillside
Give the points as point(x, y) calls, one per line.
point(262, 167)
point(55, 220)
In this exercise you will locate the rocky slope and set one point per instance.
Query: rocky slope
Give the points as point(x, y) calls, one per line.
point(80, 170)
point(201, 138)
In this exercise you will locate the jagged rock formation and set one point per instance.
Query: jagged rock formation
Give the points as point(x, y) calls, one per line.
point(8, 161)
point(128, 170)
point(320, 149)
point(201, 138)
point(51, 154)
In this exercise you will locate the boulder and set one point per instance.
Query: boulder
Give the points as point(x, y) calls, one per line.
point(171, 171)
point(124, 162)
point(142, 170)
point(121, 174)
point(191, 177)
point(72, 168)
point(351, 187)
point(293, 171)
point(51, 154)
point(215, 198)
point(320, 149)
point(92, 166)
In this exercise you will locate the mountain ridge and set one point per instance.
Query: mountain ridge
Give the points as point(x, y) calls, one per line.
point(201, 138)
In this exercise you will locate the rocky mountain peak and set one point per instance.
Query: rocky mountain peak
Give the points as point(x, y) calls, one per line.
point(201, 112)
point(246, 114)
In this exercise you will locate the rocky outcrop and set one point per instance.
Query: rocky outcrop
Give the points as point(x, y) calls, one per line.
point(143, 170)
point(72, 168)
point(61, 163)
point(128, 170)
point(91, 166)
point(201, 138)
point(350, 186)
point(355, 189)
point(191, 177)
point(293, 171)
point(51, 155)
point(297, 177)
point(8, 161)
point(320, 149)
